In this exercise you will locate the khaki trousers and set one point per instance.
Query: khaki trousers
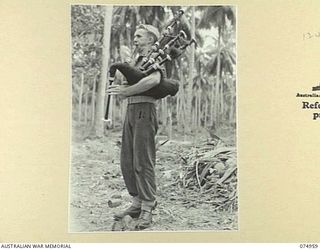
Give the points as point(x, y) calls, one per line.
point(138, 153)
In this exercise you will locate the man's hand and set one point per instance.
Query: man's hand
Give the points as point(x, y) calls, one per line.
point(120, 90)
point(143, 85)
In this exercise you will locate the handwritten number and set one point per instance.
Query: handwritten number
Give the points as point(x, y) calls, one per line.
point(310, 35)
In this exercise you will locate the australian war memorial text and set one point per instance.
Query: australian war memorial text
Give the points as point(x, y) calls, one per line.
point(34, 246)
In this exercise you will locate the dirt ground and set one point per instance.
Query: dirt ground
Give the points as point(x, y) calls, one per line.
point(97, 189)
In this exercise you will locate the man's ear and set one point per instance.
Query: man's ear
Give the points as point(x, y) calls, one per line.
point(151, 39)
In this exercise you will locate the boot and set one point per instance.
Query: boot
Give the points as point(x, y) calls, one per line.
point(145, 218)
point(132, 211)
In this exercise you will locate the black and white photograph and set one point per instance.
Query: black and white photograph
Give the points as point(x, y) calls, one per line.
point(154, 118)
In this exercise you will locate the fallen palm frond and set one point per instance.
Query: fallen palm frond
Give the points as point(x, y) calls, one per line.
point(213, 171)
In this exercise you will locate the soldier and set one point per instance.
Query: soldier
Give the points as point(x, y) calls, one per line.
point(138, 153)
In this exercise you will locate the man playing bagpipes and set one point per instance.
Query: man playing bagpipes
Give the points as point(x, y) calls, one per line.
point(147, 82)
point(138, 152)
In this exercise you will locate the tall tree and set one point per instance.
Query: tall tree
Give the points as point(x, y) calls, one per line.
point(99, 124)
point(191, 65)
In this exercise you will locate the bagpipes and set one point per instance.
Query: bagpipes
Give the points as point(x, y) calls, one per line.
point(167, 48)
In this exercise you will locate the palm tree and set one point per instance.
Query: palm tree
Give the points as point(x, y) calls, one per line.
point(202, 81)
point(222, 61)
point(223, 57)
point(125, 20)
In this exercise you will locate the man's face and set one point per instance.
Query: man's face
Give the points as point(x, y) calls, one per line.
point(142, 39)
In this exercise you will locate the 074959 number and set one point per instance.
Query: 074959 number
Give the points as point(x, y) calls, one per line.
point(304, 245)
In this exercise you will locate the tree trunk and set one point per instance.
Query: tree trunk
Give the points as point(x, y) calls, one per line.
point(199, 107)
point(166, 111)
point(218, 77)
point(86, 108)
point(206, 112)
point(170, 123)
point(80, 97)
point(93, 99)
point(216, 101)
point(177, 111)
point(99, 125)
point(232, 101)
point(191, 67)
point(196, 110)
point(129, 38)
point(181, 110)
point(212, 103)
point(221, 96)
point(180, 99)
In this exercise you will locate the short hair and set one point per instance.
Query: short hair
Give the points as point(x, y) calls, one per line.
point(153, 31)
